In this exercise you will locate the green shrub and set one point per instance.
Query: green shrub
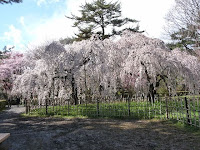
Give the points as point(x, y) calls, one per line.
point(162, 91)
point(2, 104)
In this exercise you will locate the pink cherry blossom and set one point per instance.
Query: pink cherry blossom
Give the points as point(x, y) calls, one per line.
point(102, 67)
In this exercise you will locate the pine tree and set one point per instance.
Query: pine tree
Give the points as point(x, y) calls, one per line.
point(184, 24)
point(183, 39)
point(97, 17)
point(10, 1)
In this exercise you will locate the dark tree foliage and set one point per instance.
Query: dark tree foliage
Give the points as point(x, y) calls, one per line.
point(184, 39)
point(97, 17)
point(5, 51)
point(67, 40)
point(10, 1)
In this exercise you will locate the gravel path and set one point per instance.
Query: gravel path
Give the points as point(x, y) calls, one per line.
point(33, 133)
point(11, 112)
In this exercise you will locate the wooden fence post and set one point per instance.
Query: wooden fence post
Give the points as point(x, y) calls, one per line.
point(167, 110)
point(199, 118)
point(97, 107)
point(187, 110)
point(26, 106)
point(46, 106)
point(68, 107)
point(129, 111)
point(29, 107)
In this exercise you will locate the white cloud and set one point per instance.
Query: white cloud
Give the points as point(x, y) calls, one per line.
point(52, 29)
point(150, 14)
point(13, 35)
point(40, 2)
point(55, 27)
point(73, 6)
point(21, 21)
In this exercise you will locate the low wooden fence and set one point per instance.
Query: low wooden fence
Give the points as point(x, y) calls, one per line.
point(185, 109)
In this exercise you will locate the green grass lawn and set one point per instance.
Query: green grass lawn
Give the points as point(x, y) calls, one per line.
point(119, 109)
point(172, 108)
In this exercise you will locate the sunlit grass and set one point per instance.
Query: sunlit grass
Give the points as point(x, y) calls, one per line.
point(171, 109)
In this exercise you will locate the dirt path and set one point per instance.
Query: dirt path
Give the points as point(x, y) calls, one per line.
point(11, 112)
point(91, 134)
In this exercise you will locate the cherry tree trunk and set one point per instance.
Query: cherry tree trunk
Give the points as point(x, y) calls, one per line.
point(151, 93)
point(74, 90)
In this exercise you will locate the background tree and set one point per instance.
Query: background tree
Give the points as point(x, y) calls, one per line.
point(10, 67)
point(67, 40)
point(5, 51)
point(96, 67)
point(10, 1)
point(100, 17)
point(184, 24)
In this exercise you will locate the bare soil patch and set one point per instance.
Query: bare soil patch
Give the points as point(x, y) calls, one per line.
point(33, 133)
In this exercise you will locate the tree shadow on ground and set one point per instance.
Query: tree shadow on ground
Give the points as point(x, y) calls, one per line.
point(57, 133)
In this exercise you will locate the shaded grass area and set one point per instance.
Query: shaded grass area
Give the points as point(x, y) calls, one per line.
point(171, 123)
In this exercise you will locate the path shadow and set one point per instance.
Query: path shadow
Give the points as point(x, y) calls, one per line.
point(35, 133)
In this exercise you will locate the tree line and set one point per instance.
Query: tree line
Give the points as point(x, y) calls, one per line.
point(78, 71)
point(95, 63)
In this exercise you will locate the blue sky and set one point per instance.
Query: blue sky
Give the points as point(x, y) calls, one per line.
point(17, 20)
point(36, 21)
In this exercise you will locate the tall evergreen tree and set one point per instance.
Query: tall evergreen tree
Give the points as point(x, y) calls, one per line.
point(184, 39)
point(97, 17)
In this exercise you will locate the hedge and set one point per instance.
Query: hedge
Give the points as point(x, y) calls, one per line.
point(2, 104)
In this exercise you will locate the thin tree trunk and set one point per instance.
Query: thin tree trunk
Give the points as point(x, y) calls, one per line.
point(74, 90)
point(103, 32)
point(103, 27)
point(85, 79)
point(151, 94)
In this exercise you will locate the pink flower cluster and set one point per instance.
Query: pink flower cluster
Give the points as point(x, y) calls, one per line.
point(9, 67)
